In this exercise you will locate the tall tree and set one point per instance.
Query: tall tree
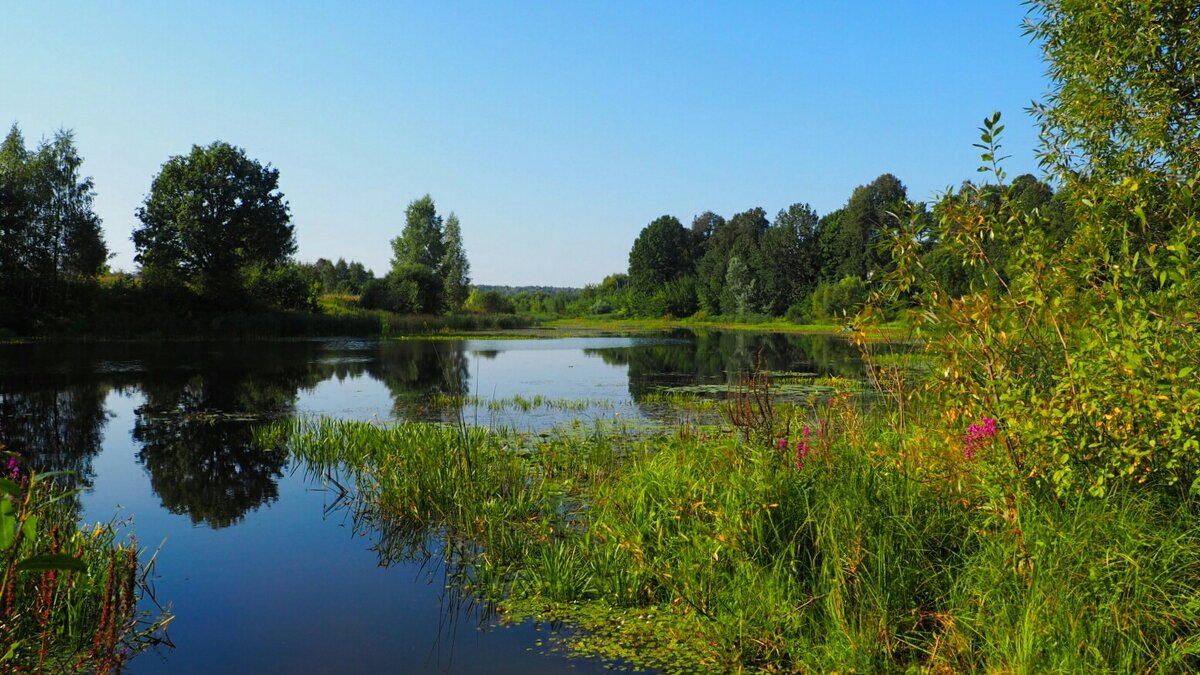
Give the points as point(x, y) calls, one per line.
point(736, 238)
point(703, 227)
point(660, 254)
point(786, 260)
point(210, 215)
point(48, 229)
point(866, 216)
point(70, 237)
point(829, 236)
point(420, 243)
point(15, 200)
point(455, 269)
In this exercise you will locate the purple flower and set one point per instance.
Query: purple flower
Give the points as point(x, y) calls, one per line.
point(13, 470)
point(802, 450)
point(783, 444)
point(977, 436)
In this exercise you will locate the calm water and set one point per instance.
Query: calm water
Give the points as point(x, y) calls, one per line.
point(263, 572)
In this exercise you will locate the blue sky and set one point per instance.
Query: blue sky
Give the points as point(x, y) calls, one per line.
point(555, 130)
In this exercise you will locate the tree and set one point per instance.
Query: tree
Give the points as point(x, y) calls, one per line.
point(15, 198)
point(341, 277)
point(786, 262)
point(70, 231)
point(490, 302)
point(829, 235)
point(455, 269)
point(421, 241)
point(661, 253)
point(48, 229)
point(1125, 97)
point(737, 297)
point(737, 237)
point(703, 227)
point(209, 216)
point(865, 218)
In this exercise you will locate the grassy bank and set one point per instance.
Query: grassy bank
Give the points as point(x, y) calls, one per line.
point(710, 548)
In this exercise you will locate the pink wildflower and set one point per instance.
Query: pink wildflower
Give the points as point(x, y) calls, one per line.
point(977, 436)
point(802, 450)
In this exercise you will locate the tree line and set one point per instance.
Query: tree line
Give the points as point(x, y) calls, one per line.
point(800, 265)
point(214, 234)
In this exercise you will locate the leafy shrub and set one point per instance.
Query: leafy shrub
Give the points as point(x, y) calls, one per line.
point(600, 307)
point(800, 313)
point(845, 298)
point(490, 302)
point(289, 286)
point(1086, 353)
point(675, 298)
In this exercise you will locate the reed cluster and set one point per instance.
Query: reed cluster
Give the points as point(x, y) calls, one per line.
point(71, 600)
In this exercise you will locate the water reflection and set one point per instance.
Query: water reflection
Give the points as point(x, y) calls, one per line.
point(199, 402)
point(54, 423)
point(167, 428)
point(416, 372)
point(722, 358)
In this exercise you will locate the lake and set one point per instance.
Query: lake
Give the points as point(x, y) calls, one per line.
point(262, 568)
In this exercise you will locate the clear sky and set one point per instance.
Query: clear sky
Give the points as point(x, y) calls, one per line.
point(555, 130)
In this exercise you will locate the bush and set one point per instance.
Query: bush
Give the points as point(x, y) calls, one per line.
point(289, 287)
point(410, 289)
point(800, 313)
point(489, 302)
point(676, 298)
point(845, 298)
point(600, 307)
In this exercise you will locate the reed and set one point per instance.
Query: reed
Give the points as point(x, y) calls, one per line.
point(71, 600)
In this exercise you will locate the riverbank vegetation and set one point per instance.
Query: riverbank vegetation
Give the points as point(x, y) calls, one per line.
point(71, 600)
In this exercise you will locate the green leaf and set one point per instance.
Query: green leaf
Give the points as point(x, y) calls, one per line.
point(8, 530)
point(51, 561)
point(9, 487)
point(12, 649)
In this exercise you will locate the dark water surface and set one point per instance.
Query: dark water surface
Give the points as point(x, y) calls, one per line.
point(263, 574)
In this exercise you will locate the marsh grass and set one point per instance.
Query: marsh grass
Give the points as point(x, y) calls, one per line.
point(698, 550)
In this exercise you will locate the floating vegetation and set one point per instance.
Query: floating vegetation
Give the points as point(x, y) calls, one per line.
point(785, 390)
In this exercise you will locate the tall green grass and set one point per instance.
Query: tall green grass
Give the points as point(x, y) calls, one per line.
point(699, 550)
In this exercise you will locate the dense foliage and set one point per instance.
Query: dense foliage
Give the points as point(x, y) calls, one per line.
point(211, 218)
point(430, 273)
point(51, 248)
